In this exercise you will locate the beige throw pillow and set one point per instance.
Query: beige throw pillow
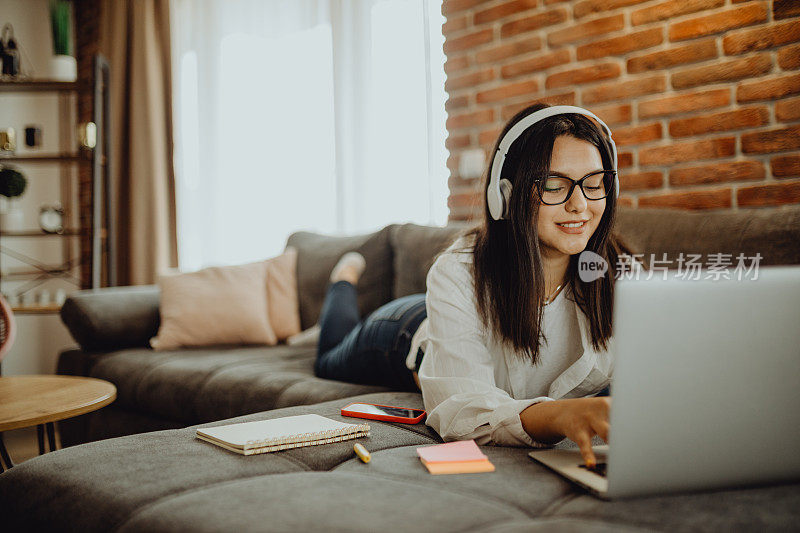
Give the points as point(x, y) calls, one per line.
point(216, 305)
point(282, 301)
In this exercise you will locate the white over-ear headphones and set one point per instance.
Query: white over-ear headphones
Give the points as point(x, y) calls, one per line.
point(498, 194)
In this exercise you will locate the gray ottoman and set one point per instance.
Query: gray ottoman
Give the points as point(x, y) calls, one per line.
point(170, 481)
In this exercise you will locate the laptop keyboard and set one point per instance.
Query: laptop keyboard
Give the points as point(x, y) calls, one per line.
point(599, 468)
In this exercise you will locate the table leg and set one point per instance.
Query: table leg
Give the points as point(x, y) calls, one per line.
point(4, 454)
point(51, 436)
point(40, 438)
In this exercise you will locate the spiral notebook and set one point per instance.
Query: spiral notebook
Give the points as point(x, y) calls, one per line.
point(263, 436)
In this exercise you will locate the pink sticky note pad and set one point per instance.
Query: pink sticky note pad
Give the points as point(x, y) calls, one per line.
point(463, 450)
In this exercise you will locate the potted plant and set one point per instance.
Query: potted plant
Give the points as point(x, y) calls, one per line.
point(63, 66)
point(12, 185)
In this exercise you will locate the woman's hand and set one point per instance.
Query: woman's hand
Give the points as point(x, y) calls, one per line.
point(577, 419)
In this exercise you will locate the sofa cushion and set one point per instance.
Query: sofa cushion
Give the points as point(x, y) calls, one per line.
point(215, 305)
point(170, 481)
point(415, 248)
point(357, 501)
point(774, 233)
point(284, 313)
point(318, 254)
point(100, 485)
point(205, 384)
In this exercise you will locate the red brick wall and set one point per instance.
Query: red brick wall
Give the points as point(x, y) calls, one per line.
point(702, 96)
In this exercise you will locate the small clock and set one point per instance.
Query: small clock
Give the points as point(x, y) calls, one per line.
point(51, 218)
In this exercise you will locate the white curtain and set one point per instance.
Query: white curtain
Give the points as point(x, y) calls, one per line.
point(321, 115)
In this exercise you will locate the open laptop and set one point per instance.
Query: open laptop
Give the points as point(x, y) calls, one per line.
point(706, 390)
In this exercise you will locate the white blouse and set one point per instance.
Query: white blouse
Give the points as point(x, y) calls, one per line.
point(475, 388)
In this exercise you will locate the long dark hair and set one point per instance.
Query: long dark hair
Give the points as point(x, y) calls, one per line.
point(507, 267)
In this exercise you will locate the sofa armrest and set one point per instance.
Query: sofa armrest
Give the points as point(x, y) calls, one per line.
point(112, 318)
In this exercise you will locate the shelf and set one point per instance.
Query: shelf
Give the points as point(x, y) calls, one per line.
point(40, 233)
point(36, 309)
point(44, 158)
point(17, 273)
point(38, 86)
point(82, 171)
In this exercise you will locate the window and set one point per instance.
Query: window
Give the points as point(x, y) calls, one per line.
point(330, 118)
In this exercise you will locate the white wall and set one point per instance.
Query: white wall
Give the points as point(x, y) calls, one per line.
point(39, 337)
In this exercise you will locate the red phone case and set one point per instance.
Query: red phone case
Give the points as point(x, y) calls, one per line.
point(385, 418)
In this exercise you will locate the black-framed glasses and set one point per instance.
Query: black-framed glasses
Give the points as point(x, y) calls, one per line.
point(555, 189)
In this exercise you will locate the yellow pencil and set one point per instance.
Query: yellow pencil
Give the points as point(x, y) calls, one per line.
point(361, 452)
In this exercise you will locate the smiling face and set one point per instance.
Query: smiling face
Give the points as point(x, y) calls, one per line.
point(573, 158)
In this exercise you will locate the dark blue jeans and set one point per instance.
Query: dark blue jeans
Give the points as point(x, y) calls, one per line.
point(372, 351)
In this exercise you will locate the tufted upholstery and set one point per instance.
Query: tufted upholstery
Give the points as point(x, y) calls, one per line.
point(170, 481)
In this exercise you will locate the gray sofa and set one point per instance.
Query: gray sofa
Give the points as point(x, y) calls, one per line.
point(162, 390)
point(150, 480)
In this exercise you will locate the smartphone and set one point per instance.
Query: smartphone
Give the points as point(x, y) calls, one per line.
point(386, 413)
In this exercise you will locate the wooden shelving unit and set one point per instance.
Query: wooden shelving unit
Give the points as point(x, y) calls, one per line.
point(94, 161)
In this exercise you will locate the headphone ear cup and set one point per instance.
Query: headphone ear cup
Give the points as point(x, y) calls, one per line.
point(505, 191)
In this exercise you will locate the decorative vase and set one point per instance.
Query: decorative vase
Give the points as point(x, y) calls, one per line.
point(63, 68)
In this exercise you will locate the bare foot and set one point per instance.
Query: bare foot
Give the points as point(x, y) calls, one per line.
point(308, 337)
point(349, 268)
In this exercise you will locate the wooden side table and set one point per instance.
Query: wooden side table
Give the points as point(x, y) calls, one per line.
point(41, 400)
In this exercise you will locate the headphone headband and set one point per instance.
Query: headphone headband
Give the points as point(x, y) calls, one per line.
point(495, 198)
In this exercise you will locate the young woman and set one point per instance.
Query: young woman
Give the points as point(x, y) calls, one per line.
point(516, 347)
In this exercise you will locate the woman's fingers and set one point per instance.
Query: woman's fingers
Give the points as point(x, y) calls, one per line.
point(584, 441)
point(580, 419)
point(600, 427)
